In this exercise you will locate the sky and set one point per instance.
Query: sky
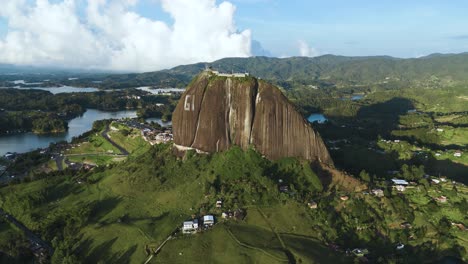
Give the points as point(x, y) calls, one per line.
point(147, 35)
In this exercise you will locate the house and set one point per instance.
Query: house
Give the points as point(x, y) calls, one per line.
point(396, 141)
point(400, 188)
point(190, 226)
point(400, 246)
point(312, 205)
point(208, 220)
point(284, 188)
point(436, 181)
point(10, 156)
point(460, 226)
point(360, 252)
point(405, 225)
point(441, 199)
point(457, 154)
point(438, 154)
point(378, 192)
point(443, 179)
point(399, 182)
point(344, 197)
point(219, 204)
point(440, 130)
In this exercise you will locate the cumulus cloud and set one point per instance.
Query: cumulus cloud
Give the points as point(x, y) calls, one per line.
point(305, 50)
point(108, 35)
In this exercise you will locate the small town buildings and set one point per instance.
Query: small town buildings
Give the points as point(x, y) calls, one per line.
point(208, 220)
point(399, 182)
point(9, 156)
point(405, 225)
point(360, 252)
point(312, 205)
point(344, 198)
point(441, 199)
point(378, 192)
point(460, 226)
point(400, 188)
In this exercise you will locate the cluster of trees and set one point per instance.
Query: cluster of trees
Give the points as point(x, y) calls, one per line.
point(38, 122)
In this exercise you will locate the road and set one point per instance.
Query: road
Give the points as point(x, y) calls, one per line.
point(29, 234)
point(58, 161)
point(106, 136)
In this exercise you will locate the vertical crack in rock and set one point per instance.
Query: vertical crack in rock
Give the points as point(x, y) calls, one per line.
point(253, 104)
point(228, 112)
point(198, 115)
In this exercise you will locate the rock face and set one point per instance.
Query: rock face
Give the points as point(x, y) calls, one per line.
point(216, 112)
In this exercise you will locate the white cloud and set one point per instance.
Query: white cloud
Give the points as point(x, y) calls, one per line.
point(110, 36)
point(305, 50)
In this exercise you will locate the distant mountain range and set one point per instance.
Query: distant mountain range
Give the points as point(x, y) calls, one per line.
point(338, 70)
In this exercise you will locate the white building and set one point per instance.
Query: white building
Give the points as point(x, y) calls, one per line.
point(400, 188)
point(208, 220)
point(399, 182)
point(190, 226)
point(378, 192)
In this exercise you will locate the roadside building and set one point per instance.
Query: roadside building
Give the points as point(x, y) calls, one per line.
point(312, 205)
point(441, 199)
point(378, 192)
point(400, 188)
point(399, 182)
point(190, 226)
point(208, 220)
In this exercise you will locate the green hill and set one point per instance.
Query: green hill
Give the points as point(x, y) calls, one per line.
point(112, 214)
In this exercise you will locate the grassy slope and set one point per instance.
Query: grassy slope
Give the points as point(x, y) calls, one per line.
point(135, 203)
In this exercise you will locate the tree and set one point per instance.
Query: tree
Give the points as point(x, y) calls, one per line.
point(364, 176)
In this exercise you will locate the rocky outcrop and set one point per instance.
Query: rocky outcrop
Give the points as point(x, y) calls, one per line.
point(217, 112)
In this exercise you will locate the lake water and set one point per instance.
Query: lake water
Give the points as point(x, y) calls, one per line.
point(24, 142)
point(317, 117)
point(62, 89)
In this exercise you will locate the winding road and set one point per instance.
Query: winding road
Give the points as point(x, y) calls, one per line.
point(106, 136)
point(35, 239)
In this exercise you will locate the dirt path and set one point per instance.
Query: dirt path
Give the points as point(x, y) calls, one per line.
point(291, 258)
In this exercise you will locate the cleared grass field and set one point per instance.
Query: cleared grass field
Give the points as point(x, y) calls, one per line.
point(95, 159)
point(95, 144)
